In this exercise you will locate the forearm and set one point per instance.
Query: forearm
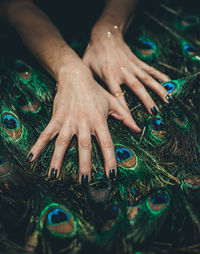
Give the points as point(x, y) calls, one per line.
point(117, 14)
point(39, 35)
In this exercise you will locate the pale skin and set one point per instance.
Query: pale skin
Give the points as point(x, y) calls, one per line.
point(81, 106)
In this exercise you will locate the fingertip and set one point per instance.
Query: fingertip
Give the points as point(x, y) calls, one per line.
point(111, 174)
point(31, 157)
point(137, 129)
point(165, 78)
point(53, 173)
point(84, 179)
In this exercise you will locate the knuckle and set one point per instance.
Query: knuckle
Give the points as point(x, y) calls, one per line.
point(145, 78)
point(106, 142)
point(62, 140)
point(151, 70)
point(106, 73)
point(85, 142)
point(45, 135)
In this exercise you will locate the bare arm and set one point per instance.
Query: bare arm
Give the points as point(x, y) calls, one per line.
point(39, 35)
point(109, 57)
point(118, 13)
point(81, 106)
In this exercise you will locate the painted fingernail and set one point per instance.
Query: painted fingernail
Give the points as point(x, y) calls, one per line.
point(84, 180)
point(29, 157)
point(112, 175)
point(53, 174)
point(154, 111)
point(168, 97)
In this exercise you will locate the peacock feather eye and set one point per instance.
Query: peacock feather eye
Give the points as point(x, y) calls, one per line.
point(58, 215)
point(125, 157)
point(58, 221)
point(188, 21)
point(11, 124)
point(99, 190)
point(180, 118)
point(133, 208)
point(158, 202)
point(23, 70)
point(113, 213)
point(170, 87)
point(5, 166)
point(146, 47)
point(190, 50)
point(27, 107)
point(157, 127)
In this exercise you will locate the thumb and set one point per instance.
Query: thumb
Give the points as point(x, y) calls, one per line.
point(120, 113)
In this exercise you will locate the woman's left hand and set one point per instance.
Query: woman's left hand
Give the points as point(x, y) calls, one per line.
point(110, 58)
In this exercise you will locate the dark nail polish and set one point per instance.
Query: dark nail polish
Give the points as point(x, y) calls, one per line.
point(53, 174)
point(168, 97)
point(154, 111)
point(112, 175)
point(84, 180)
point(30, 156)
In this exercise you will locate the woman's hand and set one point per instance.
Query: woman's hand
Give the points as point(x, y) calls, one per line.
point(81, 107)
point(109, 57)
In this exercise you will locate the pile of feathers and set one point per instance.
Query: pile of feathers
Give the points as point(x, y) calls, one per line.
point(154, 204)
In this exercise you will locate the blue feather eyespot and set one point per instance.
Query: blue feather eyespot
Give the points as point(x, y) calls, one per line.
point(189, 21)
point(191, 50)
point(23, 70)
point(158, 202)
point(170, 87)
point(111, 216)
point(145, 45)
point(157, 127)
point(58, 215)
point(58, 220)
point(125, 156)
point(113, 213)
point(10, 122)
point(11, 125)
point(180, 118)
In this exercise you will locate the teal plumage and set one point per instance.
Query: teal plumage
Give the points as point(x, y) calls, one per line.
point(153, 206)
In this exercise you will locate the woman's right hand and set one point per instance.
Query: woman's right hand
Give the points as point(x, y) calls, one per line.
point(81, 107)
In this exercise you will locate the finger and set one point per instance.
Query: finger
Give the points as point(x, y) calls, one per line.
point(84, 149)
point(105, 142)
point(117, 111)
point(139, 90)
point(116, 91)
point(61, 145)
point(152, 84)
point(49, 132)
point(155, 73)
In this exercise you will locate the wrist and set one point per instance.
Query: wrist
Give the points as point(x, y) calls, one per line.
point(104, 30)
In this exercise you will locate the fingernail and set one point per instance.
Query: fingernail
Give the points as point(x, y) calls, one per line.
point(112, 175)
point(30, 156)
point(154, 111)
point(168, 97)
point(53, 174)
point(84, 180)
